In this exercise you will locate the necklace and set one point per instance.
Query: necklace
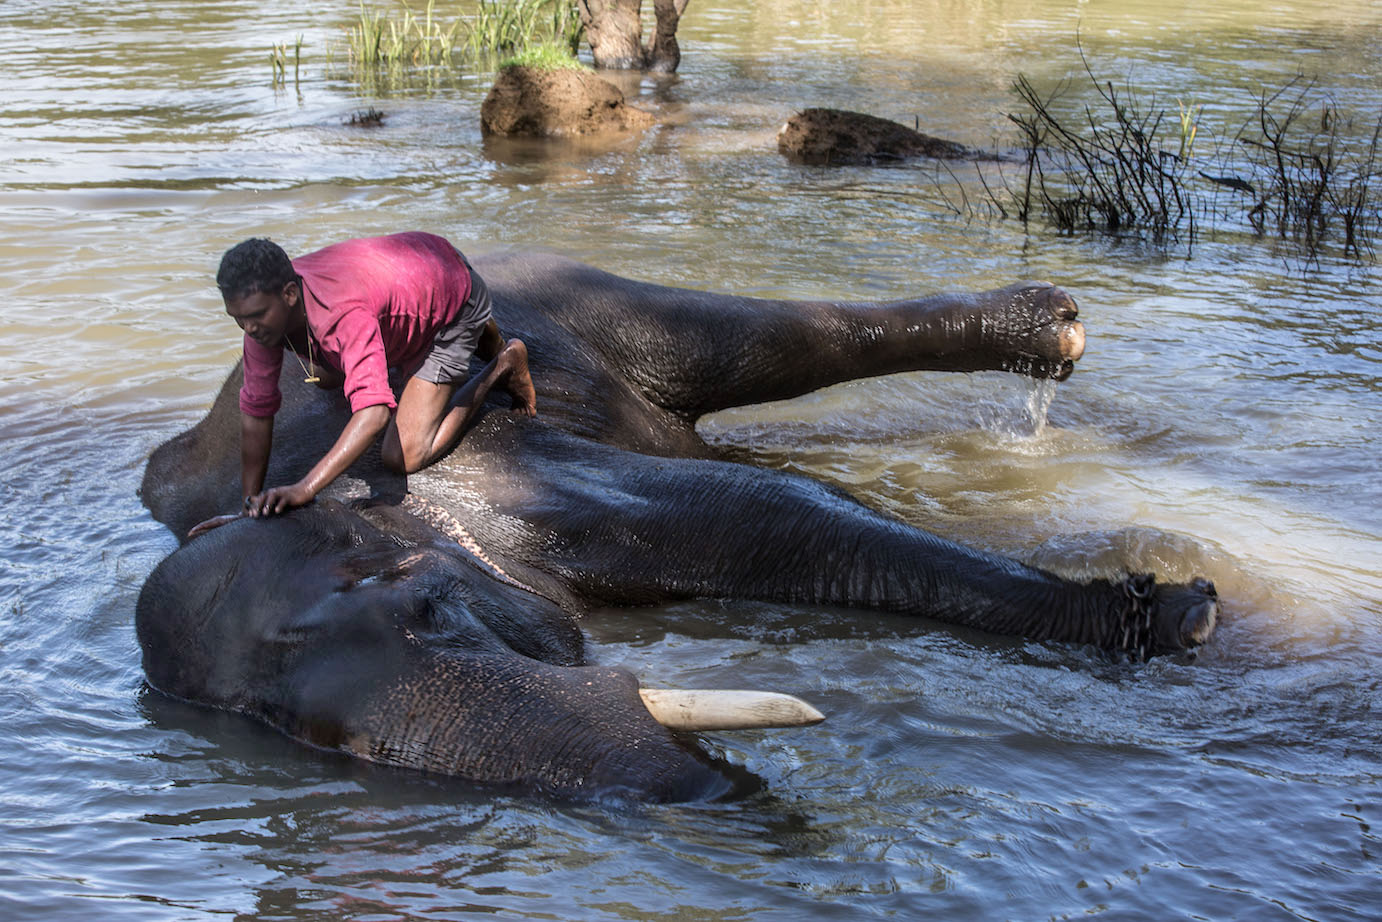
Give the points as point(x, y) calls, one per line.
point(310, 369)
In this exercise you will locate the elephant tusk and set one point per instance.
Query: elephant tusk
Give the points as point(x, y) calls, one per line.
point(707, 709)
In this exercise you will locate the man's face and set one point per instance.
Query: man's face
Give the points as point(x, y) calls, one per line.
point(266, 315)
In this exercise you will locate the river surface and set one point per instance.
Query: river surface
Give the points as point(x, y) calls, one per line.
point(1225, 422)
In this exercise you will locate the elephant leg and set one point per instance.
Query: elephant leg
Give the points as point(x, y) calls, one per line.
point(694, 352)
point(628, 529)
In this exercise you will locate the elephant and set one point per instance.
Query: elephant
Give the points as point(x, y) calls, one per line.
point(433, 622)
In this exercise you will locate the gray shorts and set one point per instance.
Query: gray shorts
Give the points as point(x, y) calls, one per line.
point(454, 344)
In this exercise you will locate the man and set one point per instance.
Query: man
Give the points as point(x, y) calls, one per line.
point(350, 312)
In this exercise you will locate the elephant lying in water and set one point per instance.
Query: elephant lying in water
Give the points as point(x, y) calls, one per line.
point(433, 624)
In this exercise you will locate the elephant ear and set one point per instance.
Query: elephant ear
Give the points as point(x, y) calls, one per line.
point(512, 721)
point(534, 613)
point(196, 474)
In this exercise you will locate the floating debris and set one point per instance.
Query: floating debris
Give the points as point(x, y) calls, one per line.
point(367, 118)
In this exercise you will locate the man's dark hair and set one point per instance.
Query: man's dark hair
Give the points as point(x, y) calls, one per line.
point(254, 265)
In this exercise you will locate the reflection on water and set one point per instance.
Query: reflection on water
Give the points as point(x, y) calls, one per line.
point(1224, 422)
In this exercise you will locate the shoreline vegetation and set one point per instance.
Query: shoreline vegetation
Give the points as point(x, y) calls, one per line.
point(1299, 168)
point(382, 47)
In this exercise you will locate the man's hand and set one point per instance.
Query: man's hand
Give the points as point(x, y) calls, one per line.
point(216, 521)
point(278, 499)
point(270, 502)
point(364, 427)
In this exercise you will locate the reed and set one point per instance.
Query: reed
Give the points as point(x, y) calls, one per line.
point(278, 60)
point(384, 47)
point(500, 27)
point(379, 41)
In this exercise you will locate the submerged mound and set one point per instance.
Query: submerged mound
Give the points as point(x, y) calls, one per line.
point(835, 137)
point(536, 102)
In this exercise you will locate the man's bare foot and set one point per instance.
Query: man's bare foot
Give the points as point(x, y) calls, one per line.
point(514, 377)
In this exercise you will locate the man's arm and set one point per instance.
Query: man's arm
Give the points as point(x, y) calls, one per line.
point(364, 427)
point(256, 438)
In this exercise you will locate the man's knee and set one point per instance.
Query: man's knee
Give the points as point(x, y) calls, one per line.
point(400, 460)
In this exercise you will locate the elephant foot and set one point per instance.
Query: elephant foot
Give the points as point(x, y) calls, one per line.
point(1031, 327)
point(1165, 619)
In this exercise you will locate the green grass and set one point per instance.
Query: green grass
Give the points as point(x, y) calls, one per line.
point(400, 46)
point(278, 60)
point(547, 56)
point(376, 40)
point(501, 26)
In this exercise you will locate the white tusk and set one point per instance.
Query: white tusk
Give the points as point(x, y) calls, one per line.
point(706, 709)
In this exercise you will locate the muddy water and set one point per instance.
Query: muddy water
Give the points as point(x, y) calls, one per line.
point(1225, 422)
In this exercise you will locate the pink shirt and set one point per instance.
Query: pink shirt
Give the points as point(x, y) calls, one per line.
point(372, 304)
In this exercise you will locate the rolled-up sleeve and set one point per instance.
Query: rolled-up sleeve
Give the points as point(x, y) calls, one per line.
point(359, 343)
point(259, 395)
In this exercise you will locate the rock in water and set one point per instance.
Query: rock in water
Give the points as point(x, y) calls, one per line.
point(835, 137)
point(540, 103)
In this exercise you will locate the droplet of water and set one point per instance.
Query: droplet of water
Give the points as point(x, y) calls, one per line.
point(1020, 412)
point(1040, 393)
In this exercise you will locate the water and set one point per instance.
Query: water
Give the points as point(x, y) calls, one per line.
point(1224, 421)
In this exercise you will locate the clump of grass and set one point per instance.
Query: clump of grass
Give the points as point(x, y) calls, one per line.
point(366, 118)
point(547, 56)
point(376, 40)
point(278, 60)
point(389, 48)
point(501, 26)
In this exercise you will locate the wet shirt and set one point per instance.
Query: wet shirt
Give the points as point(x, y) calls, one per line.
point(372, 304)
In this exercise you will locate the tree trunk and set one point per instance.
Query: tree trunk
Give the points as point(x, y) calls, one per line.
point(664, 54)
point(615, 32)
point(614, 29)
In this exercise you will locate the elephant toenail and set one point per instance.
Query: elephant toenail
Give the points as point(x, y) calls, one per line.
point(1198, 623)
point(1072, 341)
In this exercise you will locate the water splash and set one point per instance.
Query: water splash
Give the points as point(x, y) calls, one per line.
point(1040, 394)
point(1020, 413)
